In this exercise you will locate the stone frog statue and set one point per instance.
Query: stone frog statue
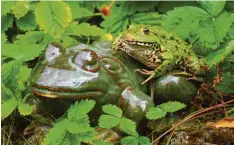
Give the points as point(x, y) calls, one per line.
point(65, 75)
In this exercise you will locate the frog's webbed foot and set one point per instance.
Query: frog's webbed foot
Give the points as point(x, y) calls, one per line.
point(190, 76)
point(144, 72)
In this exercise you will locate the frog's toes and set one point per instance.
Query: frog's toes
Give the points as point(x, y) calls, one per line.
point(144, 72)
point(149, 78)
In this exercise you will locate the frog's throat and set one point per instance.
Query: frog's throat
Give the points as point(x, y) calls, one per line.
point(65, 94)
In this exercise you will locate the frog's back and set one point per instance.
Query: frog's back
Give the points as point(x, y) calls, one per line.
point(171, 41)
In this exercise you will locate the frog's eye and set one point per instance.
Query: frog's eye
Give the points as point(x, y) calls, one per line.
point(111, 65)
point(87, 60)
point(146, 30)
point(52, 52)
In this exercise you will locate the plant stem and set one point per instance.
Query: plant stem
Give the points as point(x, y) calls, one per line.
point(191, 116)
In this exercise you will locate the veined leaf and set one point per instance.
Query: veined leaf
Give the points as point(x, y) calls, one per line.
point(150, 18)
point(129, 140)
point(7, 21)
point(144, 140)
point(155, 113)
point(80, 108)
point(75, 128)
point(34, 37)
point(227, 83)
point(131, 7)
point(219, 55)
point(84, 29)
point(21, 52)
point(24, 73)
point(108, 121)
point(215, 30)
point(115, 24)
point(27, 23)
point(56, 134)
point(25, 108)
point(53, 17)
point(9, 71)
point(70, 139)
point(20, 9)
point(88, 136)
point(112, 110)
point(67, 41)
point(77, 11)
point(128, 126)
point(182, 20)
point(213, 7)
point(8, 107)
point(171, 106)
point(6, 7)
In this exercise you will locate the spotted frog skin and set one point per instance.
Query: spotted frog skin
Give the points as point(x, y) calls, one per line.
point(85, 72)
point(159, 50)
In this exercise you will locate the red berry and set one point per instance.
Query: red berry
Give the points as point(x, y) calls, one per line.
point(105, 11)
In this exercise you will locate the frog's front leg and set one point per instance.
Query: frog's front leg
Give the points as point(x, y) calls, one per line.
point(168, 63)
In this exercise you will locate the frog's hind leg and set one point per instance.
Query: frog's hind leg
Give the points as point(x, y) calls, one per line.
point(195, 65)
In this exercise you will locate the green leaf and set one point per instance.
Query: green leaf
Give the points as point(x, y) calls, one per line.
point(56, 134)
point(53, 17)
point(7, 21)
point(112, 110)
point(108, 121)
point(129, 140)
point(213, 7)
point(128, 126)
point(25, 73)
point(84, 29)
point(131, 7)
point(8, 107)
point(227, 83)
point(67, 41)
point(88, 136)
point(219, 55)
point(20, 9)
point(3, 38)
point(75, 128)
point(6, 7)
point(34, 37)
point(144, 140)
point(182, 20)
point(21, 52)
point(155, 113)
point(215, 30)
point(77, 11)
point(25, 109)
point(150, 18)
point(28, 22)
point(171, 106)
point(70, 139)
point(196, 23)
point(115, 24)
point(9, 71)
point(80, 108)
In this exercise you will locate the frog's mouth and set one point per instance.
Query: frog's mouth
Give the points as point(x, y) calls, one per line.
point(150, 44)
point(65, 93)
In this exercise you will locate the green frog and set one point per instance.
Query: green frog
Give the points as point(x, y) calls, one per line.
point(160, 51)
point(65, 75)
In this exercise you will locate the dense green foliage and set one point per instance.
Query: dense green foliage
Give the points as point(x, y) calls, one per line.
point(27, 27)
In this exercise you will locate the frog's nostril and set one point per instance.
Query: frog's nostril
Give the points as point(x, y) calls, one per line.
point(87, 60)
